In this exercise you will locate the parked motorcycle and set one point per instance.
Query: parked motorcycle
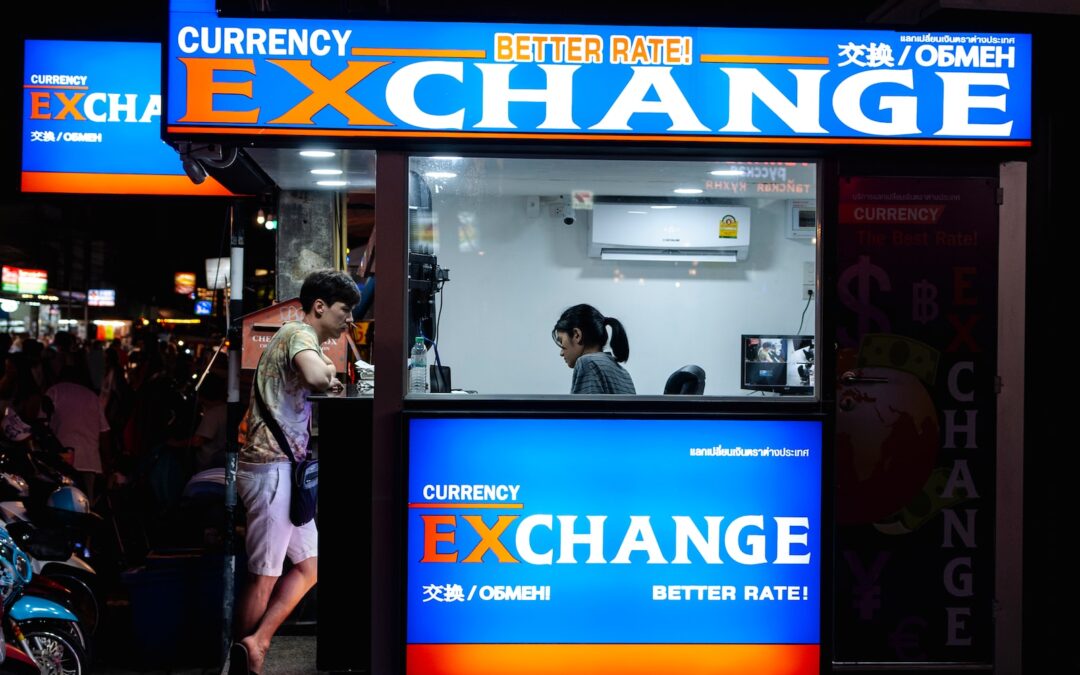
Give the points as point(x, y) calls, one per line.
point(56, 570)
point(50, 518)
point(13, 574)
point(14, 661)
point(45, 632)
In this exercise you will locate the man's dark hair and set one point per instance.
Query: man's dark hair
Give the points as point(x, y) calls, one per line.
point(330, 286)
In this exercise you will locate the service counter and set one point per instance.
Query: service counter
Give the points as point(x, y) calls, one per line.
point(345, 536)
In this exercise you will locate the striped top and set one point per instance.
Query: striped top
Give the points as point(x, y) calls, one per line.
point(600, 373)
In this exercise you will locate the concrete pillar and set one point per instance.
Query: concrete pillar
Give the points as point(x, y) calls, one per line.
point(308, 237)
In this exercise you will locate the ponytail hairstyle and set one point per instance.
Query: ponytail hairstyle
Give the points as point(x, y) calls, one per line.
point(593, 326)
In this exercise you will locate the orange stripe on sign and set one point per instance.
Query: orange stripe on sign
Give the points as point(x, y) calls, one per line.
point(53, 86)
point(432, 505)
point(119, 184)
point(486, 659)
point(425, 53)
point(647, 138)
point(745, 58)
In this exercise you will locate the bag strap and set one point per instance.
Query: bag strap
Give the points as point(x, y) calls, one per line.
point(268, 419)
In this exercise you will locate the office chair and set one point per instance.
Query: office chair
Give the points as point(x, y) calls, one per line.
point(688, 380)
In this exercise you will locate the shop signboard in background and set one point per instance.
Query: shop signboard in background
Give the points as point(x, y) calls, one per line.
point(101, 297)
point(22, 280)
point(614, 546)
point(915, 436)
point(204, 307)
point(184, 283)
point(92, 122)
point(276, 76)
point(33, 281)
point(10, 279)
point(217, 273)
point(258, 329)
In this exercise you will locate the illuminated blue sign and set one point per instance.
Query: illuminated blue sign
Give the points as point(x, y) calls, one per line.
point(203, 307)
point(92, 121)
point(614, 532)
point(101, 297)
point(621, 83)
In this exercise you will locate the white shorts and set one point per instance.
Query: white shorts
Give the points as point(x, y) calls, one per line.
point(265, 490)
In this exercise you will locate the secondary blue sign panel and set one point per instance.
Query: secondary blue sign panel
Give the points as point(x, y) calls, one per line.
point(468, 80)
point(613, 531)
point(92, 121)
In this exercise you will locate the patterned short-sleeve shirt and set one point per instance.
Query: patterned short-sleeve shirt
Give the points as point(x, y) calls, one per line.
point(285, 395)
point(600, 373)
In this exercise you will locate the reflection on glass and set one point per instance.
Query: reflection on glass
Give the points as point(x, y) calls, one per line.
point(718, 250)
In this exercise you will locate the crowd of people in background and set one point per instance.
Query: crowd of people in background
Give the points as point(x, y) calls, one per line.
point(126, 412)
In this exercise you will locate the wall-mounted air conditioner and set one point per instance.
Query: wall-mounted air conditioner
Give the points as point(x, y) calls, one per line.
point(666, 231)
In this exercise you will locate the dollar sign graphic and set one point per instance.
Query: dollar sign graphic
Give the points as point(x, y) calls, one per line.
point(859, 302)
point(924, 307)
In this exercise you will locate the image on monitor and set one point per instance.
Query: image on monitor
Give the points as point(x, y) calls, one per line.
point(778, 363)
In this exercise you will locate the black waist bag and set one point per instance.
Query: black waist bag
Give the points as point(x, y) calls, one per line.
point(305, 491)
point(305, 474)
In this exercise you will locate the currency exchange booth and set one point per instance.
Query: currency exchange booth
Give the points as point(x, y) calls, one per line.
point(735, 198)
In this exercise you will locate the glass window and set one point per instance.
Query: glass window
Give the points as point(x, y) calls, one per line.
point(707, 266)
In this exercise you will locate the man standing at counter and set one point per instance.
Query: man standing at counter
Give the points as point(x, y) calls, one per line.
point(292, 366)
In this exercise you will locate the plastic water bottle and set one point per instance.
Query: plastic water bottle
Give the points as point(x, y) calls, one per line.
point(418, 368)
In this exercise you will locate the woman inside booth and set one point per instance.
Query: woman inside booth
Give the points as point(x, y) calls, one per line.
point(581, 333)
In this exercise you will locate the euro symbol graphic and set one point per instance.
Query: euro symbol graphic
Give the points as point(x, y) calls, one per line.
point(857, 300)
point(905, 639)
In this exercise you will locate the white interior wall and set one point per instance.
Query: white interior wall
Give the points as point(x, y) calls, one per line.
point(514, 275)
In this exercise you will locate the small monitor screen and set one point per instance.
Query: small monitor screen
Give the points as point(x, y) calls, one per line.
point(779, 363)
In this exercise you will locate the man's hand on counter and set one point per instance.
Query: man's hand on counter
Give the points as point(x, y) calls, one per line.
point(336, 387)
